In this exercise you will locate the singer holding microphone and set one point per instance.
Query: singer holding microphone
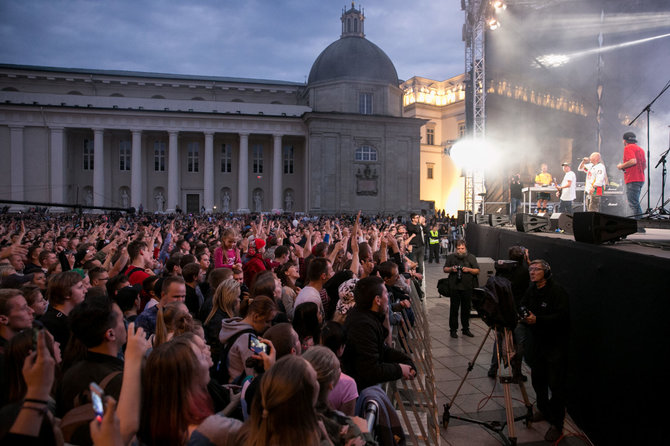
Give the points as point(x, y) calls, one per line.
point(596, 178)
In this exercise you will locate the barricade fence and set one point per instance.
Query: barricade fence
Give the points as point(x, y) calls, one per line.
point(416, 400)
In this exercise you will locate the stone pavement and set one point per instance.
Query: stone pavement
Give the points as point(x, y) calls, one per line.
point(480, 397)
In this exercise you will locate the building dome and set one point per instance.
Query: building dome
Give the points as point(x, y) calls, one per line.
point(353, 57)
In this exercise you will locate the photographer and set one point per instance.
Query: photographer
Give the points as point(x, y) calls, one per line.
point(545, 306)
point(463, 271)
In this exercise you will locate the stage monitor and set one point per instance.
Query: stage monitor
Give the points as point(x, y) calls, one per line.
point(498, 219)
point(529, 222)
point(561, 220)
point(594, 227)
point(482, 219)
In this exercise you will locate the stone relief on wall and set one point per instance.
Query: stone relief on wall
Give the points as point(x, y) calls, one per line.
point(366, 181)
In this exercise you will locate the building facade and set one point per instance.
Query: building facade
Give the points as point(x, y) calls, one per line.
point(339, 143)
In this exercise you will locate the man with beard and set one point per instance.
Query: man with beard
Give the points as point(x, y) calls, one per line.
point(367, 358)
point(463, 270)
point(548, 321)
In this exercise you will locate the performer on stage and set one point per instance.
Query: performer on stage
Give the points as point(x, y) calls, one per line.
point(596, 178)
point(633, 167)
point(544, 179)
point(567, 191)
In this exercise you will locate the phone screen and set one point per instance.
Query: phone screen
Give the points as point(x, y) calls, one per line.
point(97, 397)
point(257, 346)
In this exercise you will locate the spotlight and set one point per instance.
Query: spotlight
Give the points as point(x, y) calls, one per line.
point(499, 4)
point(493, 24)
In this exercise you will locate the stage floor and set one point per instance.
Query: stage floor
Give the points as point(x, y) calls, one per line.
point(654, 242)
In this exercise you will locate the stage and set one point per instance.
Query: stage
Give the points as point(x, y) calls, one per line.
point(619, 305)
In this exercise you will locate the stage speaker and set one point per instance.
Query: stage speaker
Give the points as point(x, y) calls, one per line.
point(529, 222)
point(594, 227)
point(561, 220)
point(498, 219)
point(482, 219)
point(460, 220)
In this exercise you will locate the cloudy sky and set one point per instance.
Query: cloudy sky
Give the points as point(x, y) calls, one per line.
point(271, 39)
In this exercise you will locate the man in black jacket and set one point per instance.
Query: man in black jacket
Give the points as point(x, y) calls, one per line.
point(418, 233)
point(367, 358)
point(548, 320)
point(463, 272)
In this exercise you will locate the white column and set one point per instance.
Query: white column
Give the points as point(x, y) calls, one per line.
point(173, 172)
point(16, 165)
point(277, 175)
point(136, 170)
point(57, 165)
point(243, 171)
point(209, 172)
point(98, 168)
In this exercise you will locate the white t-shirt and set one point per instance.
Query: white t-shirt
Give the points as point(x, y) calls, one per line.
point(569, 193)
point(595, 176)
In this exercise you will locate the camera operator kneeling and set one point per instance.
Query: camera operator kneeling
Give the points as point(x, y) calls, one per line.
point(547, 321)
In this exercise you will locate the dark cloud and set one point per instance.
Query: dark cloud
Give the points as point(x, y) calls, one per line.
point(255, 38)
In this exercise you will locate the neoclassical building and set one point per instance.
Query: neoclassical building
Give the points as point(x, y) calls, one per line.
point(116, 138)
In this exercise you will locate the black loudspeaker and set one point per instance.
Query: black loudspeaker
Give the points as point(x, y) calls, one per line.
point(560, 220)
point(460, 220)
point(498, 219)
point(482, 219)
point(594, 227)
point(528, 222)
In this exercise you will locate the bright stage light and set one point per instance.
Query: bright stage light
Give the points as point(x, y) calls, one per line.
point(499, 4)
point(556, 60)
point(470, 154)
point(493, 24)
point(553, 60)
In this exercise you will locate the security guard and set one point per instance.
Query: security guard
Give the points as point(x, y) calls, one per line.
point(434, 245)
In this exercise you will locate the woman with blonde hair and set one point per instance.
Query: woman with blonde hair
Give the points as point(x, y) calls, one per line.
point(283, 412)
point(225, 305)
point(172, 320)
point(340, 428)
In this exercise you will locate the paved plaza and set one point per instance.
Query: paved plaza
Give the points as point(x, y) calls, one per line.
point(480, 397)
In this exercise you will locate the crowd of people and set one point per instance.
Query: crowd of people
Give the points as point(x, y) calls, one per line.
point(209, 329)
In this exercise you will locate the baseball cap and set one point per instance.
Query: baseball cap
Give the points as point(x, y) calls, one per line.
point(565, 164)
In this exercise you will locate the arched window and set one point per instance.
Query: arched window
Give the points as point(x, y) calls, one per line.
point(366, 153)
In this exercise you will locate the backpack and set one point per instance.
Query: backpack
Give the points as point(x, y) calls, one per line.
point(82, 413)
point(219, 370)
point(495, 303)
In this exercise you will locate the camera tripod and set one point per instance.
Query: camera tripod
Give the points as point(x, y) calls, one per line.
point(504, 353)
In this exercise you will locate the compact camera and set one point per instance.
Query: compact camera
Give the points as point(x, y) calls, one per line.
point(524, 312)
point(459, 272)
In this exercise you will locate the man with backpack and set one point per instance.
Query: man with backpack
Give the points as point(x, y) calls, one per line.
point(98, 324)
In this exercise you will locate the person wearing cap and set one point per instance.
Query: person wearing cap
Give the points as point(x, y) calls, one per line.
point(255, 264)
point(596, 178)
point(633, 167)
point(567, 191)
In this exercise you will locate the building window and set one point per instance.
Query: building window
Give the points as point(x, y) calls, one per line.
point(429, 170)
point(226, 158)
point(124, 155)
point(159, 156)
point(88, 154)
point(366, 153)
point(461, 129)
point(288, 159)
point(193, 156)
point(430, 136)
point(365, 103)
point(257, 156)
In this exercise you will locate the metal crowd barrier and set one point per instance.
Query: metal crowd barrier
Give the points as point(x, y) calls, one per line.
point(416, 400)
